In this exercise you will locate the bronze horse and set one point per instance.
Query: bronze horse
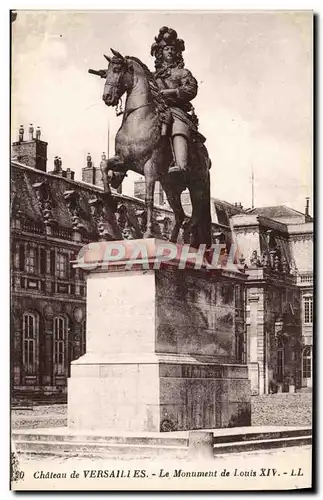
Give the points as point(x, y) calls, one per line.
point(141, 147)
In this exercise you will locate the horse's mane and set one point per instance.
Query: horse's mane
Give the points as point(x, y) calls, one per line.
point(159, 101)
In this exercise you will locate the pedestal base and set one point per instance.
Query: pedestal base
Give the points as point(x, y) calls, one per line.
point(167, 393)
point(162, 349)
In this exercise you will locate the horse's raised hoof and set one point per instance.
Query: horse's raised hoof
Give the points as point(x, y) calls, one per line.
point(116, 178)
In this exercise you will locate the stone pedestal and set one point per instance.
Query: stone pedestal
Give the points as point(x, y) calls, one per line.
point(161, 350)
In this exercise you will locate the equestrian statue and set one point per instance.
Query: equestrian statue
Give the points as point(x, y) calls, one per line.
point(159, 136)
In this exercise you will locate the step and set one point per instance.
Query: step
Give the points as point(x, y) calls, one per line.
point(67, 442)
point(117, 451)
point(262, 444)
point(180, 438)
point(256, 436)
point(97, 438)
point(72, 448)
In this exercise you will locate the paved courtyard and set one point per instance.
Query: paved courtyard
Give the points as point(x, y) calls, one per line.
point(282, 409)
point(276, 409)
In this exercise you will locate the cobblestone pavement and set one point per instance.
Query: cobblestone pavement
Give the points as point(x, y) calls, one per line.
point(40, 410)
point(275, 409)
point(282, 409)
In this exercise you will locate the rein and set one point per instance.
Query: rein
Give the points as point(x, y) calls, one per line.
point(129, 111)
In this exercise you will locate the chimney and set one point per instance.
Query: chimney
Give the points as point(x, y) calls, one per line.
point(21, 133)
point(31, 152)
point(38, 134)
point(70, 174)
point(307, 207)
point(89, 160)
point(31, 131)
point(60, 170)
point(88, 172)
point(56, 164)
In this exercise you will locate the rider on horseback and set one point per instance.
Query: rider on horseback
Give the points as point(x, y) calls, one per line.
point(139, 142)
point(178, 87)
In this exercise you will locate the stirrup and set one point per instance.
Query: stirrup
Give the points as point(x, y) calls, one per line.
point(175, 168)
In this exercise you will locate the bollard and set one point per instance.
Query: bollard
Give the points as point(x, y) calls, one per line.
point(200, 445)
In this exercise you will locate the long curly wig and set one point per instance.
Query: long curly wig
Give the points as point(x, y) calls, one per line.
point(167, 36)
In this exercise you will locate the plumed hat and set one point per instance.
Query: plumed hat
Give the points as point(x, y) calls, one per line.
point(167, 36)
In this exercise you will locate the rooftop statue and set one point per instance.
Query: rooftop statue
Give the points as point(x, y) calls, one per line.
point(158, 137)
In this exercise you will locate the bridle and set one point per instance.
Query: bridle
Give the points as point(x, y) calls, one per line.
point(118, 107)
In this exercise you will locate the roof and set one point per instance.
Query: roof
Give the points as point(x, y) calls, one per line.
point(24, 201)
point(222, 211)
point(279, 212)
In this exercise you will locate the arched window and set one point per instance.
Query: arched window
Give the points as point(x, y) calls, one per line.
point(307, 362)
point(60, 337)
point(83, 338)
point(30, 330)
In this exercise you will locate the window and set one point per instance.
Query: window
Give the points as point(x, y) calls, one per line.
point(239, 302)
point(31, 260)
point(43, 263)
point(21, 257)
point(280, 361)
point(30, 336)
point(83, 338)
point(61, 265)
point(307, 362)
point(52, 262)
point(308, 310)
point(59, 344)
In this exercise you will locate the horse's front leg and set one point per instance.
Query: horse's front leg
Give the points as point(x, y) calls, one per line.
point(150, 172)
point(107, 168)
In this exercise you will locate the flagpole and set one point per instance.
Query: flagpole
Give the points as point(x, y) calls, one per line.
point(108, 148)
point(252, 187)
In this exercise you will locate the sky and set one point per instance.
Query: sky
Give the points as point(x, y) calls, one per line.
point(254, 102)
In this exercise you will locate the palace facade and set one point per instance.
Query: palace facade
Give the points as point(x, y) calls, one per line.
point(53, 216)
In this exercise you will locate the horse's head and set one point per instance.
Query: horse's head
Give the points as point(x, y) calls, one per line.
point(117, 78)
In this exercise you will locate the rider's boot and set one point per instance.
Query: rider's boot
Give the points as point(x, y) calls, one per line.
point(180, 148)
